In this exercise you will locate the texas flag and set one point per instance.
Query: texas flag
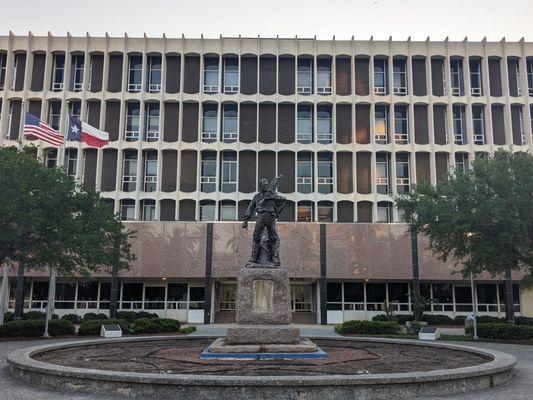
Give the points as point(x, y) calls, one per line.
point(82, 132)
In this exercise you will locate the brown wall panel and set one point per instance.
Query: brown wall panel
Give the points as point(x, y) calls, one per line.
point(363, 167)
point(267, 75)
point(112, 119)
point(15, 120)
point(286, 123)
point(173, 73)
point(248, 123)
point(97, 72)
point(21, 71)
point(188, 171)
point(364, 211)
point(362, 123)
point(114, 84)
point(362, 84)
point(267, 123)
point(419, 77)
point(34, 107)
point(344, 123)
point(344, 77)
point(249, 75)
point(168, 210)
point(437, 67)
point(344, 172)
point(286, 167)
point(266, 165)
point(345, 211)
point(169, 170)
point(93, 109)
point(89, 167)
point(511, 76)
point(287, 71)
point(495, 77)
point(189, 128)
point(422, 168)
point(288, 214)
point(171, 124)
point(187, 211)
point(421, 124)
point(439, 123)
point(441, 165)
point(247, 173)
point(109, 170)
point(498, 125)
point(516, 123)
point(37, 77)
point(191, 74)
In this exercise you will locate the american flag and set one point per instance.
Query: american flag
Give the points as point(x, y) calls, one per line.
point(33, 126)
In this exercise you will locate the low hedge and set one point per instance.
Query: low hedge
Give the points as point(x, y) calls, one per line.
point(437, 319)
point(36, 315)
point(92, 327)
point(74, 318)
point(93, 316)
point(369, 327)
point(33, 328)
point(501, 331)
point(523, 321)
point(131, 316)
point(156, 325)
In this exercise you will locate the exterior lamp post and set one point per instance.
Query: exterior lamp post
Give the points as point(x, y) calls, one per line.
point(473, 289)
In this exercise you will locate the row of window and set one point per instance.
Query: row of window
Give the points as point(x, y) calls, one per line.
point(313, 123)
point(223, 75)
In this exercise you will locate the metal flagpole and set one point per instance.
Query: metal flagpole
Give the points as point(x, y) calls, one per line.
point(3, 293)
point(21, 125)
point(51, 297)
point(62, 149)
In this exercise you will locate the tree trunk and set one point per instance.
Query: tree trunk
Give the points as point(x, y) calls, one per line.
point(19, 293)
point(509, 303)
point(113, 300)
point(416, 272)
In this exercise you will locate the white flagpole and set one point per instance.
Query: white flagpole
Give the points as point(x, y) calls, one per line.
point(50, 306)
point(21, 125)
point(3, 293)
point(62, 149)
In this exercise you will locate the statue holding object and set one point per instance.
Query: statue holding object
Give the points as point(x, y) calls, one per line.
point(267, 205)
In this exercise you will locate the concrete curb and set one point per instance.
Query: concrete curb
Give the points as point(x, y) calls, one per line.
point(373, 386)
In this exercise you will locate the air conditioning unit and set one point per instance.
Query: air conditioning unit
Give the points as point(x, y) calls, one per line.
point(77, 87)
point(229, 136)
point(456, 91)
point(401, 138)
point(304, 90)
point(209, 136)
point(382, 181)
point(208, 179)
point(210, 88)
point(323, 90)
point(324, 137)
point(475, 91)
point(479, 139)
point(325, 181)
point(152, 136)
point(402, 181)
point(134, 87)
point(231, 89)
point(57, 86)
point(303, 181)
point(380, 90)
point(380, 138)
point(400, 91)
point(130, 136)
point(154, 87)
point(303, 137)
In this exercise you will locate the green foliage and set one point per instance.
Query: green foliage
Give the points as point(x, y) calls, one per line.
point(92, 316)
point(8, 316)
point(35, 328)
point(488, 319)
point(492, 203)
point(92, 327)
point(188, 330)
point(523, 321)
point(156, 325)
point(74, 318)
point(131, 316)
point(414, 327)
point(33, 315)
point(398, 318)
point(502, 331)
point(368, 327)
point(437, 319)
point(459, 320)
point(47, 220)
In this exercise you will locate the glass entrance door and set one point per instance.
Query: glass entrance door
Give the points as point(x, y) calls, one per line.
point(302, 298)
point(226, 297)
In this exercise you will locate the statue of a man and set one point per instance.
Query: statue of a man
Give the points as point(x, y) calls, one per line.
point(267, 205)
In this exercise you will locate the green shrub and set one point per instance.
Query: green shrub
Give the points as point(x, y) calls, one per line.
point(33, 315)
point(188, 330)
point(381, 317)
point(35, 328)
point(523, 321)
point(93, 316)
point(8, 316)
point(503, 331)
point(368, 327)
point(131, 316)
point(92, 326)
point(414, 327)
point(459, 320)
point(156, 325)
point(438, 319)
point(487, 319)
point(399, 318)
point(74, 318)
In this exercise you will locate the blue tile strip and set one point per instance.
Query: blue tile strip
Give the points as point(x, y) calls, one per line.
point(208, 355)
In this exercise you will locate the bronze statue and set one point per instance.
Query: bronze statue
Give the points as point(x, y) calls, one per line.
point(267, 205)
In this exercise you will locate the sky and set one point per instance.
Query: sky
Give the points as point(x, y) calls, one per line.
point(400, 19)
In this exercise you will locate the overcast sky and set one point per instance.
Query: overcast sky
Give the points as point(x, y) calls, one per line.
point(286, 18)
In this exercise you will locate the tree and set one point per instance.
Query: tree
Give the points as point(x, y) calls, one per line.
point(482, 218)
point(47, 221)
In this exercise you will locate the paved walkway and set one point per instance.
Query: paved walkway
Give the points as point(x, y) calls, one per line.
point(520, 388)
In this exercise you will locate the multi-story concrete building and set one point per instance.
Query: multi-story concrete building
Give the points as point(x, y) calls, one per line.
point(194, 124)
